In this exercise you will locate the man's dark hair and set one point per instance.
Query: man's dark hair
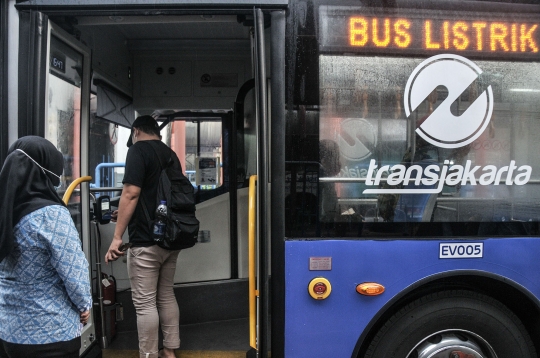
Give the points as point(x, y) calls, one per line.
point(149, 129)
point(146, 124)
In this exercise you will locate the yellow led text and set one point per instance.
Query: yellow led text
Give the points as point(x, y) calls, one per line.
point(443, 35)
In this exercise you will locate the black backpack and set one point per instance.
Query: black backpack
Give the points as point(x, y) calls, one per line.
point(182, 225)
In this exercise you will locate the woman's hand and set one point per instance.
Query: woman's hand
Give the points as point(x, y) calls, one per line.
point(84, 317)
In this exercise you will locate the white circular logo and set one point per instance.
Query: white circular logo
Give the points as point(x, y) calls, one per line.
point(442, 128)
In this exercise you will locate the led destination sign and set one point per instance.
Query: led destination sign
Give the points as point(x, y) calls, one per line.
point(429, 32)
point(435, 35)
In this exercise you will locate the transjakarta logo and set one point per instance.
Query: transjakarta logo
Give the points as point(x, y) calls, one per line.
point(443, 129)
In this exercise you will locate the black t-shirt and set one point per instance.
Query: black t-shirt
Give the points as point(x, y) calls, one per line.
point(143, 170)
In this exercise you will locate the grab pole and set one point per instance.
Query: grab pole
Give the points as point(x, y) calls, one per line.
point(252, 233)
point(72, 186)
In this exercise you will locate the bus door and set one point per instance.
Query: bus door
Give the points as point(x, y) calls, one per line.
point(66, 108)
point(259, 267)
point(219, 152)
point(218, 262)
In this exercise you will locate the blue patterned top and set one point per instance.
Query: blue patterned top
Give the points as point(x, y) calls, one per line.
point(44, 282)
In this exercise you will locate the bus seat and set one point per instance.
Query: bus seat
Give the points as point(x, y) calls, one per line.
point(430, 206)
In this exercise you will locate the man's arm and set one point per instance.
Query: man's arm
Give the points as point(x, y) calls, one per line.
point(126, 208)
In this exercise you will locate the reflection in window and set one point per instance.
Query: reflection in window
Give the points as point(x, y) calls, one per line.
point(362, 113)
point(63, 125)
point(63, 122)
point(107, 150)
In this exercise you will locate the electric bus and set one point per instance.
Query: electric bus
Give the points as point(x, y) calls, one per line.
point(366, 171)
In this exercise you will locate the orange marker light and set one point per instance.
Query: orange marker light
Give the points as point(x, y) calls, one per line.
point(370, 289)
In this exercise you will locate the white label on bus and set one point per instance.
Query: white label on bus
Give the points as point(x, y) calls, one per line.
point(461, 250)
point(320, 263)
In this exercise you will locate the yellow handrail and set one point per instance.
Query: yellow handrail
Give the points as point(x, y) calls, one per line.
point(252, 230)
point(72, 186)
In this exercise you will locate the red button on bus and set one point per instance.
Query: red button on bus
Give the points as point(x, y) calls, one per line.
point(319, 288)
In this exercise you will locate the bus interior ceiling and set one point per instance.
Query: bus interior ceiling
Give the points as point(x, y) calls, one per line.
point(178, 63)
point(160, 61)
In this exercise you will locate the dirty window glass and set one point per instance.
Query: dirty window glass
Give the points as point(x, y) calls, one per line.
point(390, 172)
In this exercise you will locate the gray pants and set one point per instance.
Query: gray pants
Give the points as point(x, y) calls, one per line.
point(151, 274)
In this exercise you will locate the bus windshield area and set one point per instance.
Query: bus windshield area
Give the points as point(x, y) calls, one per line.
point(405, 151)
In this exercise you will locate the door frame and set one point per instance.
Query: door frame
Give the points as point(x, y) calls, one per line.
point(270, 104)
point(277, 9)
point(277, 179)
point(4, 130)
point(54, 30)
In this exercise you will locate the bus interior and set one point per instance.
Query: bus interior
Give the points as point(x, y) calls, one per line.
point(189, 72)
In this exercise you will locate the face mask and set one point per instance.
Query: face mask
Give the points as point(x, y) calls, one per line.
point(43, 169)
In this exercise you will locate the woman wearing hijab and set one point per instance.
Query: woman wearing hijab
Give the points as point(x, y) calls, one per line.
point(44, 282)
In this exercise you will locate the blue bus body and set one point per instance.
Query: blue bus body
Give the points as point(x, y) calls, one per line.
point(333, 327)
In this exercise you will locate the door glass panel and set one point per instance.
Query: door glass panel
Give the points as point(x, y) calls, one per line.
point(200, 146)
point(107, 150)
point(63, 123)
point(204, 154)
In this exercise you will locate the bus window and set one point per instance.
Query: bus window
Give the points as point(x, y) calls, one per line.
point(108, 149)
point(425, 139)
point(63, 122)
point(203, 149)
point(63, 116)
point(487, 180)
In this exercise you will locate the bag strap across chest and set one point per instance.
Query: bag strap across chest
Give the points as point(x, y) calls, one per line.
point(162, 167)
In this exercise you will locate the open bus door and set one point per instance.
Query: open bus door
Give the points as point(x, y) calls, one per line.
point(266, 251)
point(236, 162)
point(66, 125)
point(262, 246)
point(53, 96)
point(219, 259)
